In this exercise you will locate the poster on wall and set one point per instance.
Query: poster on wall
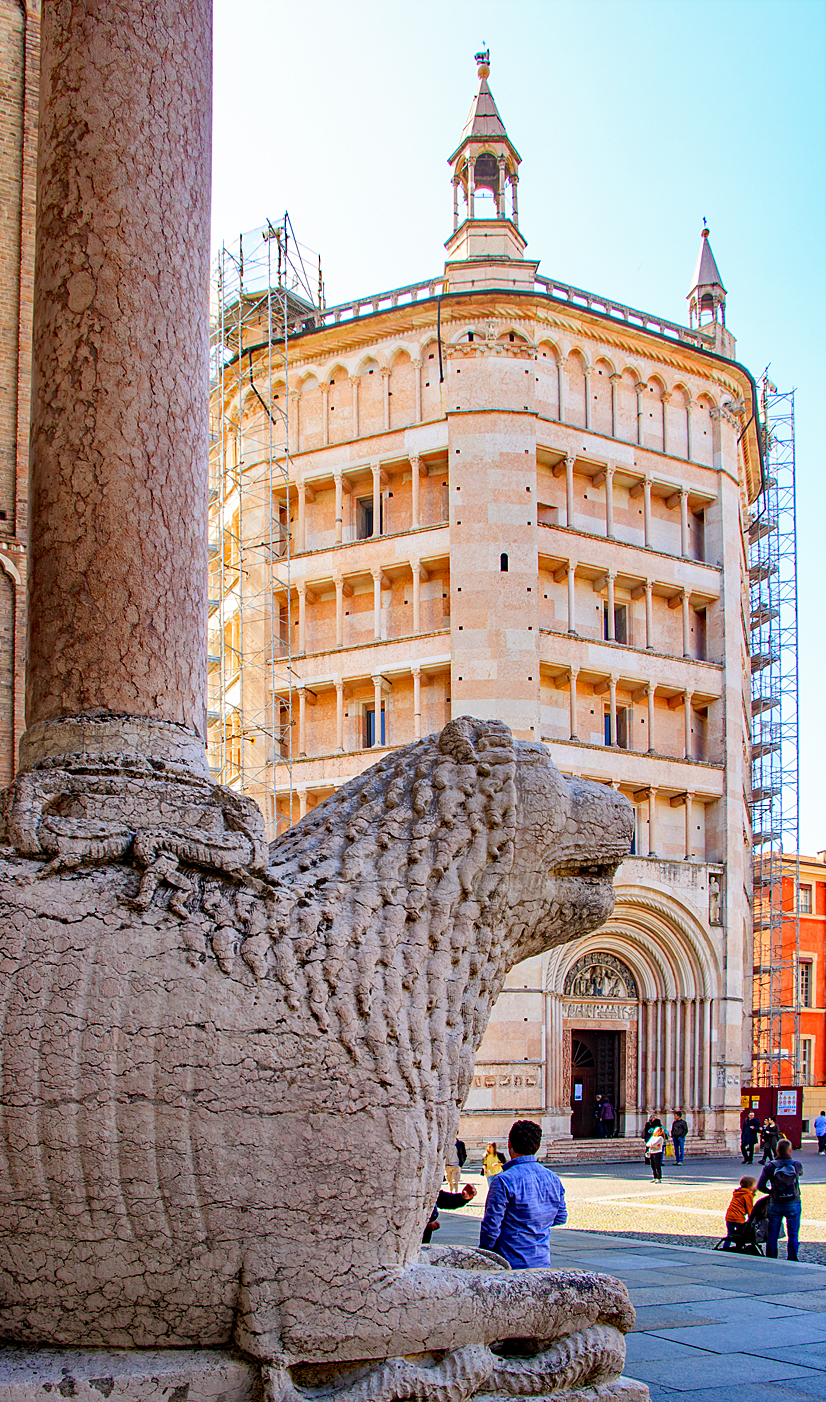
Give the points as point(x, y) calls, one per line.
point(578, 1090)
point(786, 1102)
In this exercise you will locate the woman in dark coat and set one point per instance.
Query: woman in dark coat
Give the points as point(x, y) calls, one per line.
point(769, 1136)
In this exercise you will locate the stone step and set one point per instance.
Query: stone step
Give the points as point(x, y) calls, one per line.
point(584, 1151)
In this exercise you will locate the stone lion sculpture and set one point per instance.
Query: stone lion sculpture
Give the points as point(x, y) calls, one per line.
point(229, 1077)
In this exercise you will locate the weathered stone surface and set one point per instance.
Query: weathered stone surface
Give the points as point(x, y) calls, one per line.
point(127, 1375)
point(117, 571)
point(229, 1083)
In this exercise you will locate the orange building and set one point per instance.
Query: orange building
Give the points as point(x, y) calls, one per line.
point(811, 975)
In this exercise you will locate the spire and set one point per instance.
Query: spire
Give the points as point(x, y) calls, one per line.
point(706, 273)
point(485, 169)
point(707, 298)
point(483, 117)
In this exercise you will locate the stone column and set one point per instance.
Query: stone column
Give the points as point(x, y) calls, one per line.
point(651, 690)
point(646, 510)
point(685, 599)
point(414, 494)
point(377, 740)
point(688, 697)
point(417, 366)
point(417, 595)
point(685, 541)
point(339, 583)
point(560, 390)
point(339, 715)
point(294, 434)
point(640, 391)
point(339, 485)
point(569, 489)
point(609, 502)
point(611, 619)
point(385, 380)
point(666, 396)
point(354, 384)
point(417, 703)
point(574, 673)
point(689, 820)
point(586, 372)
point(649, 1055)
point(301, 523)
point(118, 484)
point(302, 721)
point(652, 822)
point(377, 583)
point(615, 379)
point(571, 571)
point(649, 615)
point(668, 1056)
point(376, 471)
point(301, 590)
point(612, 709)
point(325, 415)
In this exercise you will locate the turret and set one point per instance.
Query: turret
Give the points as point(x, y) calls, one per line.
point(486, 248)
point(707, 300)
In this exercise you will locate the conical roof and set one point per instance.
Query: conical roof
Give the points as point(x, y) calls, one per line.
point(483, 118)
point(706, 273)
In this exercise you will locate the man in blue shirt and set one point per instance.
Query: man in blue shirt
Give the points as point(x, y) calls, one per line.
point(523, 1203)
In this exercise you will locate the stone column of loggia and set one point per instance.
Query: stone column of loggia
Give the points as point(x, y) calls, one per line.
point(117, 554)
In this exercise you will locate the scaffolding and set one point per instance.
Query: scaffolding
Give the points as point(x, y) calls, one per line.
point(262, 296)
point(774, 762)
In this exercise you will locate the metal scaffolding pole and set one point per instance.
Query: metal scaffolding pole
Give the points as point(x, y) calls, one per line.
point(775, 763)
point(256, 308)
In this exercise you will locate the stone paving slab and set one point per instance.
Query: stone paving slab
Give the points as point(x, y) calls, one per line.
point(813, 1299)
point(812, 1355)
point(736, 1307)
point(798, 1390)
point(725, 1375)
point(686, 1294)
point(742, 1337)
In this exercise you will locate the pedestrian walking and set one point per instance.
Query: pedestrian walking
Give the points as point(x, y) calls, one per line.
point(648, 1128)
point(493, 1162)
point(780, 1179)
point(820, 1131)
point(679, 1133)
point(769, 1136)
point(749, 1135)
point(523, 1203)
point(608, 1118)
point(739, 1210)
point(598, 1116)
point(453, 1168)
point(655, 1150)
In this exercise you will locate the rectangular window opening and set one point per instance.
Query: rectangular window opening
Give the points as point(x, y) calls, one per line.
point(370, 726)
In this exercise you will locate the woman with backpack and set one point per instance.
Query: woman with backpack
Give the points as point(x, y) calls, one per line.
point(780, 1180)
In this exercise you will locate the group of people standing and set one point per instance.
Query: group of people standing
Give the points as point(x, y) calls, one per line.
point(656, 1141)
point(766, 1133)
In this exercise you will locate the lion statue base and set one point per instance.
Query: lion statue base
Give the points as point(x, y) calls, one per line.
point(230, 1073)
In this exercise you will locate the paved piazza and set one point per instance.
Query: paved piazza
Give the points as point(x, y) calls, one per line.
point(709, 1325)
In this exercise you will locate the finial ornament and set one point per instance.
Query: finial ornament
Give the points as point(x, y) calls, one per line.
point(483, 62)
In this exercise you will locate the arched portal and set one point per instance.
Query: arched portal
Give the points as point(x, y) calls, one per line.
point(631, 1015)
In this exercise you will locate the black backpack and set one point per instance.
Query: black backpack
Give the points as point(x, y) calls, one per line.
point(785, 1187)
point(461, 1152)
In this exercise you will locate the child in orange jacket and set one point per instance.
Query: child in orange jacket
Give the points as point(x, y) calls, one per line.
point(739, 1210)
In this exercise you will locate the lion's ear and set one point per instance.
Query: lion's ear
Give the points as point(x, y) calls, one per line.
point(465, 739)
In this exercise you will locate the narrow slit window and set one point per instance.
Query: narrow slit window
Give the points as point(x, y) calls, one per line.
point(503, 563)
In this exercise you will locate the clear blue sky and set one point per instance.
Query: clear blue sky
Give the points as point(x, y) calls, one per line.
point(634, 120)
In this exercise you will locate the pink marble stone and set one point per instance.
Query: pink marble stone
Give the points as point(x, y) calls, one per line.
point(117, 583)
